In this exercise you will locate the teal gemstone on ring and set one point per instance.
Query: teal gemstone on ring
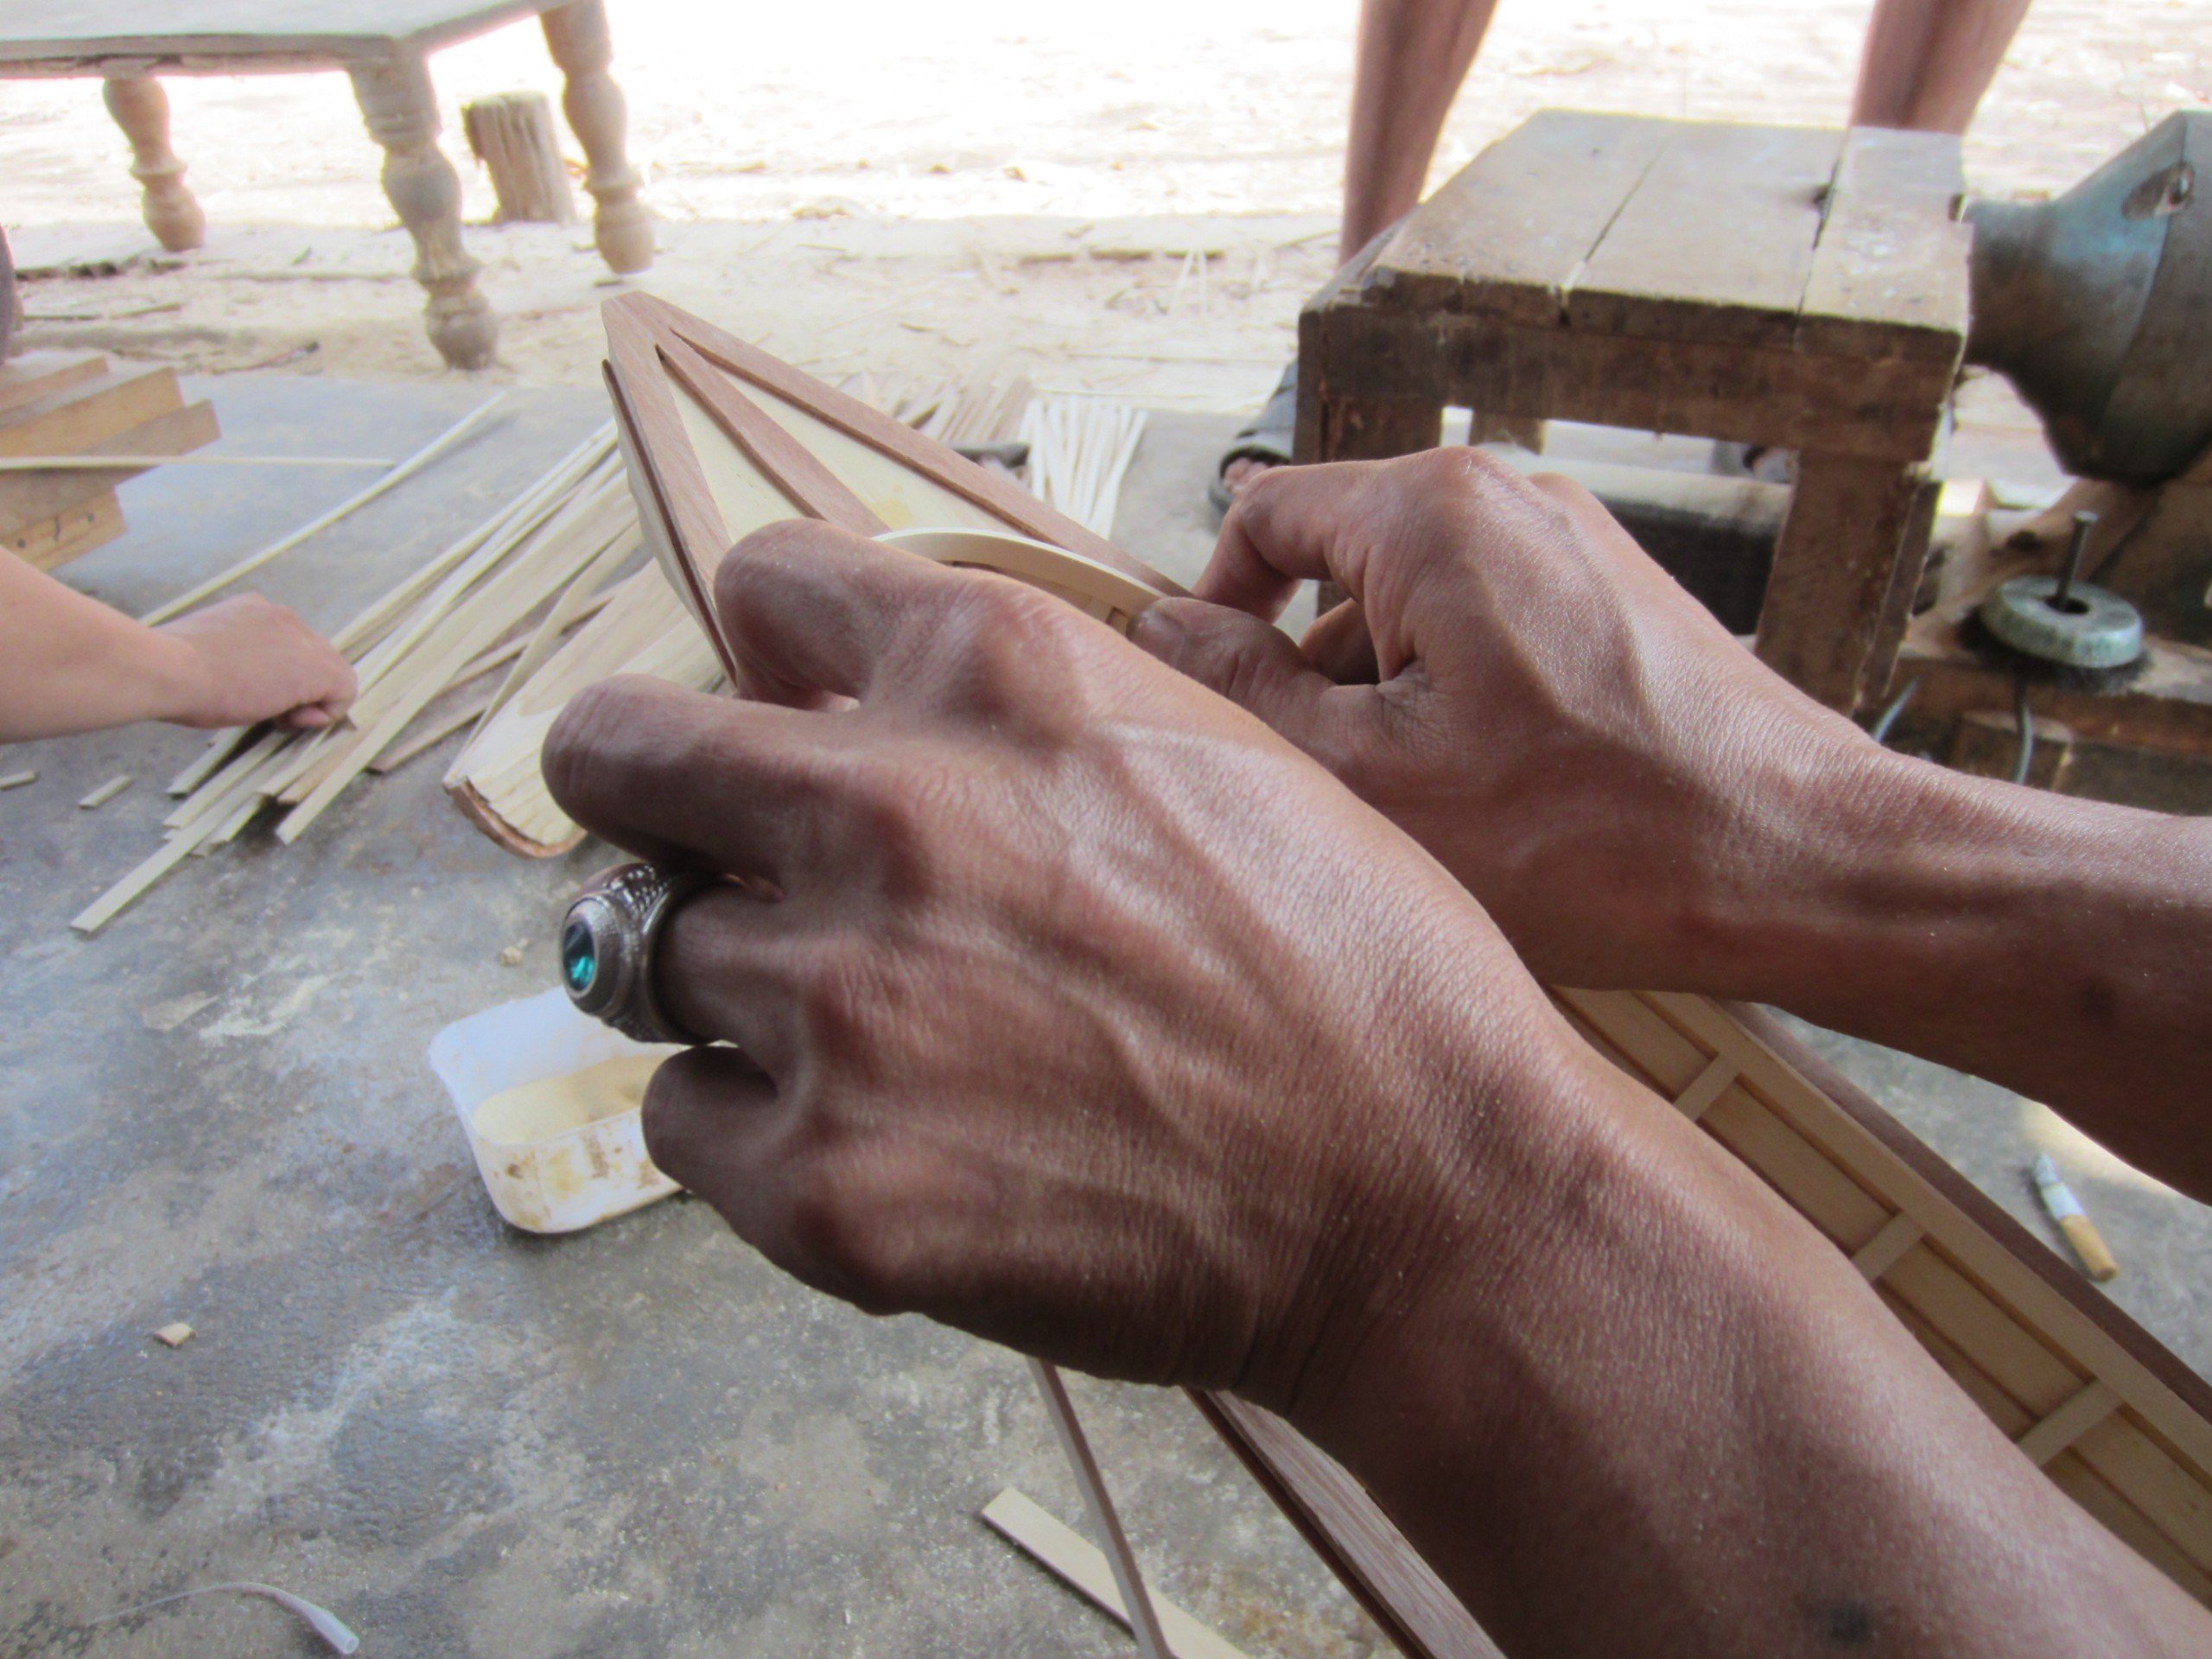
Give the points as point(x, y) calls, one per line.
point(579, 960)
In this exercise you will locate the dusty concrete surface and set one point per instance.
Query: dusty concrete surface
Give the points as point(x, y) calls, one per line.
point(637, 1441)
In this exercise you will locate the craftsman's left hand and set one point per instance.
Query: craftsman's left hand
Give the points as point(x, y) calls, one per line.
point(1077, 1007)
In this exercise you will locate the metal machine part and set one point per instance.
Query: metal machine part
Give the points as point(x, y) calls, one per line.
point(2063, 619)
point(2094, 306)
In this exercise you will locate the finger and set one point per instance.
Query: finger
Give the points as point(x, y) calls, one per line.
point(686, 779)
point(706, 1113)
point(1251, 662)
point(809, 608)
point(722, 970)
point(1289, 525)
point(1339, 646)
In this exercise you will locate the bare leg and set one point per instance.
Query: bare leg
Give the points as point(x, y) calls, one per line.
point(1926, 63)
point(577, 37)
point(402, 114)
point(141, 108)
point(1412, 55)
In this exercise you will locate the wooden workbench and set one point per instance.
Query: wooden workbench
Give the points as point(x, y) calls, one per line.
point(384, 47)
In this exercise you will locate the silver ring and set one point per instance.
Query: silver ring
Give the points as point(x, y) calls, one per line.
point(608, 941)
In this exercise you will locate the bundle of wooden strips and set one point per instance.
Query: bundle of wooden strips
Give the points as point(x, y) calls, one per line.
point(1079, 452)
point(501, 596)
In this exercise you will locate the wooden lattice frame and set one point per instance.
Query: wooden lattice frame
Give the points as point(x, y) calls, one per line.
point(2115, 1419)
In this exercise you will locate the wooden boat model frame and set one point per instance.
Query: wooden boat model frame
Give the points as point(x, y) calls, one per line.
point(716, 430)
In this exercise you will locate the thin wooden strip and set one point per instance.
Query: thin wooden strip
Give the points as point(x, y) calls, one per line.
point(103, 463)
point(18, 779)
point(2011, 1419)
point(1887, 1247)
point(811, 487)
point(220, 749)
point(2047, 1291)
point(676, 508)
point(1349, 1531)
point(1082, 1566)
point(1136, 1598)
point(173, 852)
point(2054, 1433)
point(993, 493)
point(1705, 1088)
point(2038, 1376)
point(436, 732)
point(106, 792)
point(398, 475)
point(1809, 1180)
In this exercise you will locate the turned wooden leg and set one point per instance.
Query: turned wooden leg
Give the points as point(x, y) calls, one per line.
point(141, 108)
point(577, 35)
point(420, 183)
point(1845, 572)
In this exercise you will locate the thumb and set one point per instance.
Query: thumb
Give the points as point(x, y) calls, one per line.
point(1253, 664)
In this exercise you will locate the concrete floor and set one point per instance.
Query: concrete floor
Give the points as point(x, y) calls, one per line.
point(638, 1440)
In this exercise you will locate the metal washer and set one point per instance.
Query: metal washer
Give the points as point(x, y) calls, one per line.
point(2097, 629)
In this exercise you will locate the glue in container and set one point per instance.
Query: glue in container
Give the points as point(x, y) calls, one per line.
point(548, 1097)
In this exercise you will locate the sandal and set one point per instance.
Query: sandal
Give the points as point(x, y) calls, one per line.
point(1267, 438)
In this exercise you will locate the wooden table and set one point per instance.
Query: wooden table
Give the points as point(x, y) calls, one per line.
point(1787, 286)
point(384, 46)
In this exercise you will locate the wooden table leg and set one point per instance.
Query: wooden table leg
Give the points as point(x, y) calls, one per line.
point(141, 108)
point(1845, 572)
point(577, 35)
point(402, 113)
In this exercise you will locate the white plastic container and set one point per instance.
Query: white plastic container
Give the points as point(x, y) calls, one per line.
point(568, 1180)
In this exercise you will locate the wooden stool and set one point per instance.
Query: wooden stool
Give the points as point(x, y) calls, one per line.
point(1787, 286)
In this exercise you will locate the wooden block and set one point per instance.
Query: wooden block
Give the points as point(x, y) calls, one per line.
point(1889, 277)
point(1887, 1247)
point(70, 422)
point(56, 540)
point(512, 133)
point(28, 498)
point(40, 374)
point(1696, 1100)
point(2053, 1434)
point(2171, 1497)
point(1716, 241)
point(1814, 1185)
point(1507, 234)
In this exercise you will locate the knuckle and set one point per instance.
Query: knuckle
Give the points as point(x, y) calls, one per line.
point(1014, 645)
point(835, 1001)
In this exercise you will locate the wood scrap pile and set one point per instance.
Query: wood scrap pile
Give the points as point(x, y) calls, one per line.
point(74, 405)
point(501, 597)
point(1079, 452)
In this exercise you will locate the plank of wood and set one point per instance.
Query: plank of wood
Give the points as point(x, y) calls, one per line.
point(1082, 1566)
point(106, 792)
point(256, 34)
point(1889, 275)
point(1883, 407)
point(1506, 235)
point(1705, 1088)
point(53, 542)
point(25, 498)
point(40, 374)
point(1887, 1247)
point(1347, 1528)
point(97, 411)
point(512, 133)
point(1715, 242)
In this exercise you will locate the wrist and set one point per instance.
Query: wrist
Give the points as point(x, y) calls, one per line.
point(178, 682)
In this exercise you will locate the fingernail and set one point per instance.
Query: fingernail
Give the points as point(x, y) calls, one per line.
point(1161, 633)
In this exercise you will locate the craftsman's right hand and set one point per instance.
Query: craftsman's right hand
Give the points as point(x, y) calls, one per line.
point(1521, 689)
point(248, 659)
point(1071, 1005)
